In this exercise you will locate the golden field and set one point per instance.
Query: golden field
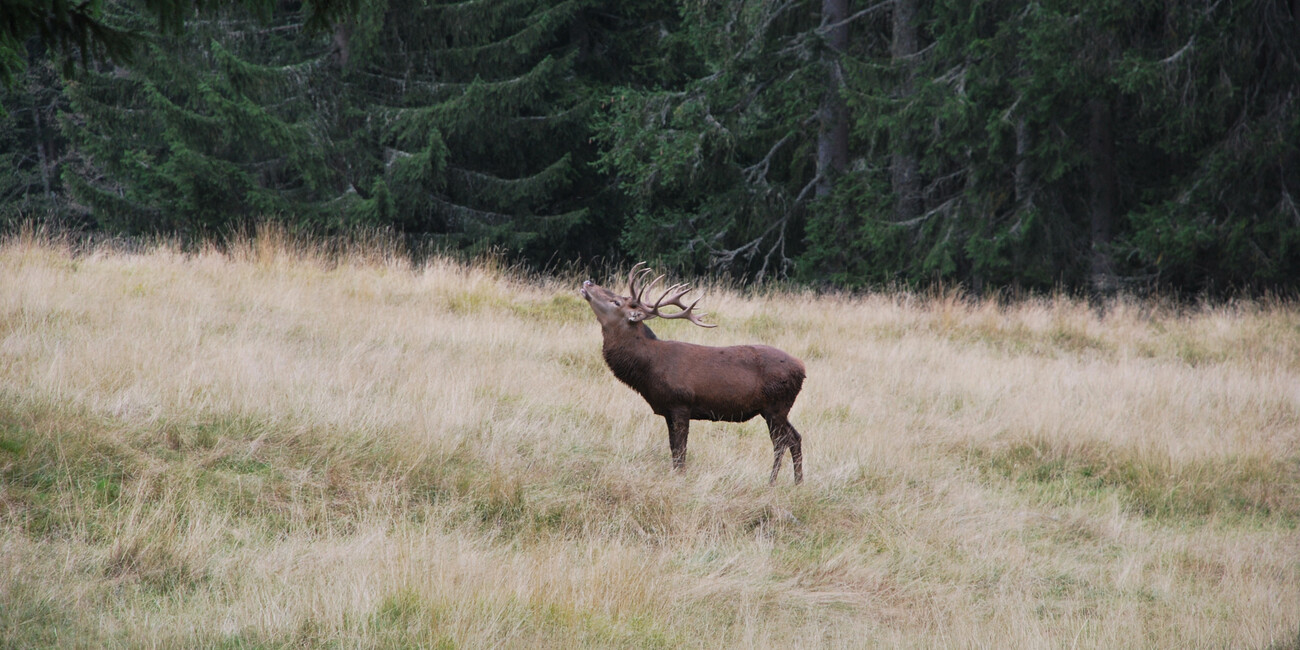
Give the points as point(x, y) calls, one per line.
point(272, 444)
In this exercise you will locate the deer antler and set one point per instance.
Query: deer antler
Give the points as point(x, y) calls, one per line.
point(677, 291)
point(635, 276)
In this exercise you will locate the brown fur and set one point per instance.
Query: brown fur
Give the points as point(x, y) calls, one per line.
point(684, 382)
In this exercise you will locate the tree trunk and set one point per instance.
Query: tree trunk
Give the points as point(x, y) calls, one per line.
point(904, 171)
point(343, 43)
point(1103, 194)
point(42, 156)
point(1023, 183)
point(833, 134)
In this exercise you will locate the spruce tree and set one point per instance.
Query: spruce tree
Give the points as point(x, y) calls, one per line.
point(1217, 110)
point(477, 120)
point(1087, 145)
point(88, 32)
point(195, 136)
point(31, 146)
point(466, 122)
point(723, 169)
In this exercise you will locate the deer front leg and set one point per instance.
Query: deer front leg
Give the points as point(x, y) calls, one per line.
point(679, 426)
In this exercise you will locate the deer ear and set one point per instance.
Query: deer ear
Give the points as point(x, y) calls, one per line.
point(636, 316)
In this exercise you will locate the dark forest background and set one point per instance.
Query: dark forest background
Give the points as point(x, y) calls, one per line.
point(1098, 146)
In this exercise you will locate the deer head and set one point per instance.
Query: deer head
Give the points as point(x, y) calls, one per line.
point(613, 310)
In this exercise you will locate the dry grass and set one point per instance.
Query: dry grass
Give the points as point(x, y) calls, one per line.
point(276, 446)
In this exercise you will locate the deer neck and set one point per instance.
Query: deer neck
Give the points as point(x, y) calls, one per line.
point(629, 352)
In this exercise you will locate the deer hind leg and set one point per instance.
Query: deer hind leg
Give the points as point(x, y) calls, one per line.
point(777, 452)
point(796, 452)
point(679, 427)
point(784, 436)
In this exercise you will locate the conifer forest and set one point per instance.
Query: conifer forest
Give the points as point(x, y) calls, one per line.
point(1091, 146)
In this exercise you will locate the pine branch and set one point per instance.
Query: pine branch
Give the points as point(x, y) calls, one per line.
point(465, 214)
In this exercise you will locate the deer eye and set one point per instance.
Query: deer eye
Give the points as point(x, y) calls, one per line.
point(617, 303)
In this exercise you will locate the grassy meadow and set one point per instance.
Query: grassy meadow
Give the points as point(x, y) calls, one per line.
point(275, 445)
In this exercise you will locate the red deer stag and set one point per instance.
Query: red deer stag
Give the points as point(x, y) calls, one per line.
point(684, 382)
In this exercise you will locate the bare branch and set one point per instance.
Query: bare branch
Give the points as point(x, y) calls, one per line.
point(944, 207)
point(806, 188)
point(1173, 58)
point(758, 171)
point(825, 29)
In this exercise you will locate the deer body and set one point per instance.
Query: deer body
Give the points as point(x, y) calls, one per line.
point(727, 384)
point(683, 381)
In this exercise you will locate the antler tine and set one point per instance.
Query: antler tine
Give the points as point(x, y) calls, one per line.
point(687, 312)
point(675, 300)
point(631, 276)
point(640, 297)
point(640, 280)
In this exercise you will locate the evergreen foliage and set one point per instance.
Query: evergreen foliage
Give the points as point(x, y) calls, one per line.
point(720, 169)
point(85, 32)
point(32, 147)
point(479, 116)
point(1099, 145)
point(1201, 117)
point(193, 136)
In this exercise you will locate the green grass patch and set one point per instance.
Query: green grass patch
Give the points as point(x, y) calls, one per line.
point(75, 475)
point(1014, 338)
point(1074, 340)
point(30, 619)
point(562, 308)
point(469, 302)
point(1291, 643)
point(587, 363)
point(60, 478)
point(1233, 488)
point(405, 618)
point(408, 618)
point(13, 438)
